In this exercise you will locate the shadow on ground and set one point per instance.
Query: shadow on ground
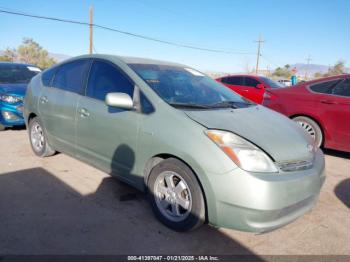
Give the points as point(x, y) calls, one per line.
point(41, 214)
point(337, 153)
point(342, 191)
point(16, 128)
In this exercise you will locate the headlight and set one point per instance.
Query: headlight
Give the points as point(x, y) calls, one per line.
point(10, 99)
point(243, 153)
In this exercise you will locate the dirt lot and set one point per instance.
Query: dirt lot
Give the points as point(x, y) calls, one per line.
point(59, 205)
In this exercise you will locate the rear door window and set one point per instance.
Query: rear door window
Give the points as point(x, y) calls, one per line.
point(342, 89)
point(107, 78)
point(233, 80)
point(71, 76)
point(324, 87)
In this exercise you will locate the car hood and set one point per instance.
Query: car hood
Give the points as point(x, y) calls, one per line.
point(274, 133)
point(13, 89)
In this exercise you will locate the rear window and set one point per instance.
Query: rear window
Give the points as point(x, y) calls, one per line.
point(342, 89)
point(324, 87)
point(16, 73)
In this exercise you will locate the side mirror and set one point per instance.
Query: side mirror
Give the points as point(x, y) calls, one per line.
point(119, 100)
point(260, 86)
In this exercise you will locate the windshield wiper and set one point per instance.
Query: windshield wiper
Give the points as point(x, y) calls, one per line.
point(223, 104)
point(231, 104)
point(189, 105)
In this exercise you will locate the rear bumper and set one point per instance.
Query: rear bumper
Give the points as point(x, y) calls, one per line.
point(260, 203)
point(11, 115)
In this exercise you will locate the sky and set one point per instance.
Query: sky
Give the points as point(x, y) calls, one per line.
point(292, 30)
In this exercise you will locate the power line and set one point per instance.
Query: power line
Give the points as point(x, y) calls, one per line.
point(20, 13)
point(270, 61)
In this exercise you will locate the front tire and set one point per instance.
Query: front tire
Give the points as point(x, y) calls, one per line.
point(38, 139)
point(311, 127)
point(2, 128)
point(176, 196)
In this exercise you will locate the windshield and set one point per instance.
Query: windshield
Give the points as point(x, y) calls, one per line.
point(17, 74)
point(272, 83)
point(186, 87)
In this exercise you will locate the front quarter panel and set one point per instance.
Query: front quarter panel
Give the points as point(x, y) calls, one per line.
point(177, 135)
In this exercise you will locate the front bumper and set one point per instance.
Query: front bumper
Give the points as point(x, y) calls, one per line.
point(11, 114)
point(259, 203)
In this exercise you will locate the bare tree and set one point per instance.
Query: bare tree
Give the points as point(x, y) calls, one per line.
point(9, 55)
point(31, 52)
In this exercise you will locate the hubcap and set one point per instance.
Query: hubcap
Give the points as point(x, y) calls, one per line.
point(37, 137)
point(172, 195)
point(309, 128)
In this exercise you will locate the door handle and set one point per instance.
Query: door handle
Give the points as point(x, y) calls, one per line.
point(328, 102)
point(83, 112)
point(44, 100)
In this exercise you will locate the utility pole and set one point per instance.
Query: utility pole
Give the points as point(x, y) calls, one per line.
point(308, 59)
point(267, 71)
point(91, 28)
point(259, 41)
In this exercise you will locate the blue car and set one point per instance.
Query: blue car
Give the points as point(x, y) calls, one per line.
point(14, 78)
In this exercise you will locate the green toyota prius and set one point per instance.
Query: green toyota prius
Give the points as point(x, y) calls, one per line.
point(201, 152)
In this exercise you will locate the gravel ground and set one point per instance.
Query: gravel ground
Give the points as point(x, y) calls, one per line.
point(59, 205)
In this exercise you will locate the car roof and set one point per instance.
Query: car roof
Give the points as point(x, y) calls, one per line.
point(127, 59)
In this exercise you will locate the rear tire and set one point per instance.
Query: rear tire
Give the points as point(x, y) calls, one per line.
point(311, 127)
point(176, 196)
point(38, 139)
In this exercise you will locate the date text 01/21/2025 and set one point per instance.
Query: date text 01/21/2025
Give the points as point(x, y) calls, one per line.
point(173, 258)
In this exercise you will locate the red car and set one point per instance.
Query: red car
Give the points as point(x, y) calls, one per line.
point(320, 106)
point(250, 86)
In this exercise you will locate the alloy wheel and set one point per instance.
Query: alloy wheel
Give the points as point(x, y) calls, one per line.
point(172, 196)
point(308, 127)
point(37, 137)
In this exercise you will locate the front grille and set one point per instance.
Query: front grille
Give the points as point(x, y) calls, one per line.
point(295, 165)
